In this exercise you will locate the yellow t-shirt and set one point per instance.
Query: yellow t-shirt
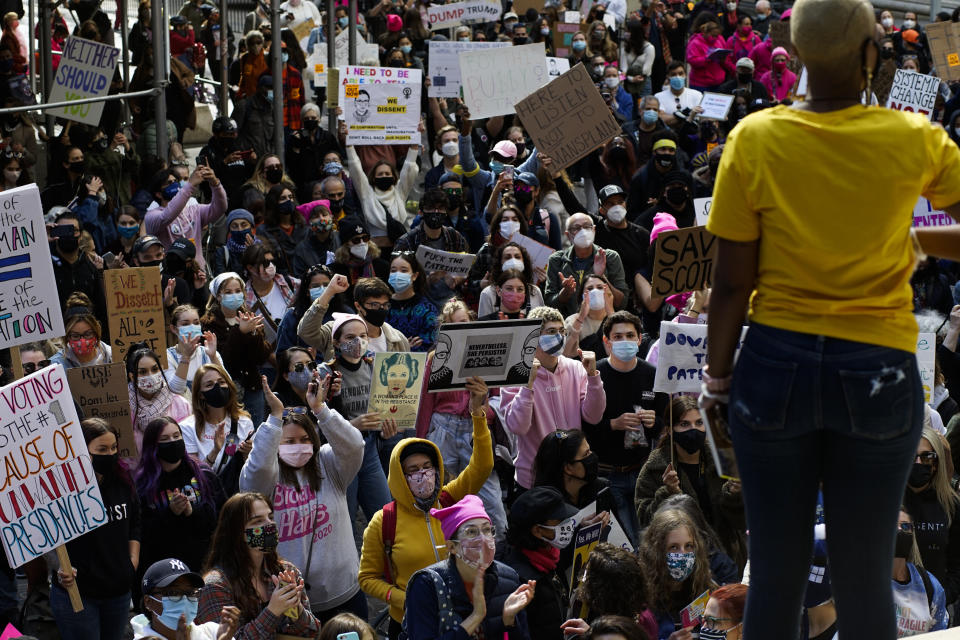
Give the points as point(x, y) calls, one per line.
point(830, 197)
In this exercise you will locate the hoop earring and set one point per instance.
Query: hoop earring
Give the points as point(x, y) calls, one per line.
point(869, 97)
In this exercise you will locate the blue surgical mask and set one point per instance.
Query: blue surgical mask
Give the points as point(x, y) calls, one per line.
point(406, 48)
point(232, 301)
point(399, 281)
point(128, 232)
point(677, 83)
point(625, 350)
point(316, 292)
point(343, 21)
point(171, 190)
point(170, 617)
point(650, 116)
point(284, 56)
point(496, 167)
point(189, 331)
point(552, 343)
point(579, 45)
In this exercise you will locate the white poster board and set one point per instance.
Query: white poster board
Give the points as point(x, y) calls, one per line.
point(85, 71)
point(443, 67)
point(716, 106)
point(456, 264)
point(442, 16)
point(494, 81)
point(367, 54)
point(683, 352)
point(499, 351)
point(381, 113)
point(539, 253)
point(556, 67)
point(926, 361)
point(924, 215)
point(701, 209)
point(914, 92)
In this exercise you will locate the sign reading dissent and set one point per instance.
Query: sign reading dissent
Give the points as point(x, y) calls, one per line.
point(135, 311)
point(86, 70)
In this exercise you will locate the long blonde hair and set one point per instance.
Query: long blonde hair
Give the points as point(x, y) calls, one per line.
point(946, 495)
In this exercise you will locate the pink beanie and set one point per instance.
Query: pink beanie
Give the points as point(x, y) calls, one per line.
point(394, 22)
point(307, 208)
point(662, 222)
point(780, 51)
point(340, 319)
point(452, 517)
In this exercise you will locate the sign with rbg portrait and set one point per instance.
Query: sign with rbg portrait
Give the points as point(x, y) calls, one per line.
point(500, 351)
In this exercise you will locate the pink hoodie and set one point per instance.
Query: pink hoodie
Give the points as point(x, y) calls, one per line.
point(705, 72)
point(762, 56)
point(549, 406)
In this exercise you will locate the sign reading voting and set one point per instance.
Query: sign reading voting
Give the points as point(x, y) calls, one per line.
point(454, 14)
point(683, 352)
point(494, 81)
point(501, 352)
point(382, 113)
point(135, 311)
point(443, 67)
point(567, 118)
point(49, 493)
point(29, 307)
point(85, 71)
point(456, 264)
point(914, 92)
point(395, 386)
point(683, 260)
point(100, 390)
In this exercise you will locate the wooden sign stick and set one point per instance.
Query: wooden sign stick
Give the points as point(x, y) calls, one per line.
point(67, 568)
point(16, 363)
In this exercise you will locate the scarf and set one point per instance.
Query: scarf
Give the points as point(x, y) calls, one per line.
point(147, 410)
point(542, 559)
point(236, 249)
point(360, 269)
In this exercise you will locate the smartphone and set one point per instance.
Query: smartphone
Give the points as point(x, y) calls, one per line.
point(508, 171)
point(349, 635)
point(63, 231)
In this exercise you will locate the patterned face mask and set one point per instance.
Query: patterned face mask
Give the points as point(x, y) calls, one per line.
point(422, 483)
point(265, 537)
point(680, 565)
point(354, 348)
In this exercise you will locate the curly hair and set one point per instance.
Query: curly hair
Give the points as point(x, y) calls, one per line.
point(653, 551)
point(615, 583)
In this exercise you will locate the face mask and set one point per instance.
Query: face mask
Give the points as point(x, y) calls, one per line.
point(712, 634)
point(920, 475)
point(332, 169)
point(611, 82)
point(376, 317)
point(650, 116)
point(562, 533)
point(512, 299)
point(433, 220)
point(286, 208)
point(464, 39)
point(422, 483)
point(273, 174)
point(909, 24)
point(68, 245)
point(231, 301)
point(151, 263)
point(172, 451)
point(478, 552)
point(599, 33)
point(676, 195)
point(316, 292)
point(383, 183)
point(744, 78)
point(300, 379)
point(583, 239)
point(454, 201)
point(400, 281)
point(887, 23)
point(171, 190)
point(731, 6)
point(77, 166)
point(217, 396)
point(265, 538)
point(904, 544)
point(496, 167)
point(270, 271)
point(321, 226)
point(624, 350)
point(450, 148)
point(761, 17)
point(746, 30)
point(579, 45)
point(591, 467)
point(887, 53)
point(519, 40)
point(677, 82)
point(128, 232)
point(150, 384)
point(270, 95)
point(523, 197)
point(680, 565)
point(240, 237)
point(551, 344)
point(690, 440)
point(343, 22)
point(616, 213)
point(170, 616)
point(355, 348)
point(336, 206)
point(598, 69)
point(406, 48)
point(83, 346)
point(596, 299)
point(665, 161)
point(11, 175)
point(545, 31)
point(779, 66)
point(102, 144)
point(296, 455)
point(359, 251)
point(104, 464)
point(310, 124)
point(508, 228)
point(512, 263)
point(284, 56)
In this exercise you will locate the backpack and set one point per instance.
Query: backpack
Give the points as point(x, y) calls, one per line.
point(388, 530)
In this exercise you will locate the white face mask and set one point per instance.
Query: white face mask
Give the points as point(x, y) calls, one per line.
point(562, 533)
point(512, 263)
point(616, 213)
point(731, 6)
point(887, 22)
point(150, 384)
point(909, 24)
point(583, 239)
point(597, 300)
point(450, 148)
point(359, 250)
point(508, 228)
point(611, 82)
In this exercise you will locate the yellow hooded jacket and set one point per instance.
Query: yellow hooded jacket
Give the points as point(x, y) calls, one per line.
point(419, 541)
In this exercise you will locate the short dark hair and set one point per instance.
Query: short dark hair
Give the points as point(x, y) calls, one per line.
point(678, 64)
point(433, 198)
point(156, 182)
point(67, 215)
point(255, 253)
point(621, 317)
point(664, 134)
point(367, 288)
point(364, 92)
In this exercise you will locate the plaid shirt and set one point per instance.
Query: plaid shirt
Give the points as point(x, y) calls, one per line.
point(292, 97)
point(287, 289)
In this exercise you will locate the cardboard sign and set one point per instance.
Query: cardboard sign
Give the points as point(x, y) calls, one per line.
point(456, 264)
point(302, 30)
point(500, 351)
point(563, 33)
point(683, 352)
point(454, 14)
point(135, 311)
point(395, 386)
point(780, 35)
point(556, 67)
point(101, 392)
point(683, 260)
point(86, 71)
point(924, 215)
point(49, 493)
point(494, 81)
point(29, 306)
point(443, 65)
point(701, 209)
point(568, 118)
point(914, 92)
point(382, 114)
point(944, 41)
point(716, 106)
point(692, 614)
point(926, 360)
point(539, 253)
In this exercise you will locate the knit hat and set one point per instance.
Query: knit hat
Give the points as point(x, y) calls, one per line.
point(678, 176)
point(506, 149)
point(340, 319)
point(662, 222)
point(452, 517)
point(239, 214)
point(216, 283)
point(449, 176)
point(779, 51)
point(307, 208)
point(394, 22)
point(350, 227)
point(910, 35)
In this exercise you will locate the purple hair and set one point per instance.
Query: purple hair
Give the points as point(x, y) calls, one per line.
point(148, 474)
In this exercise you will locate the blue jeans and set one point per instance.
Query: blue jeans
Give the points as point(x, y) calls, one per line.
point(623, 487)
point(254, 403)
point(101, 618)
point(807, 410)
point(369, 489)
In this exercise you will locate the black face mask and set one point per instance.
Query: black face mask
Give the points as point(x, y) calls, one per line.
point(104, 464)
point(665, 161)
point(618, 155)
point(172, 451)
point(887, 53)
point(676, 195)
point(102, 144)
point(217, 397)
point(150, 263)
point(383, 182)
point(336, 206)
point(520, 40)
point(741, 111)
point(920, 475)
point(433, 220)
point(744, 78)
point(690, 440)
point(523, 197)
point(376, 317)
point(904, 545)
point(311, 124)
point(228, 144)
point(68, 245)
point(78, 166)
point(174, 265)
point(591, 466)
point(274, 174)
point(455, 202)
point(286, 208)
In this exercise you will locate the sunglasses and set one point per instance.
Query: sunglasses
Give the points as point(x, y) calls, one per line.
point(30, 367)
point(360, 239)
point(927, 457)
point(312, 366)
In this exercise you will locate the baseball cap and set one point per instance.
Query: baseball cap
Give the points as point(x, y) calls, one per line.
point(528, 178)
point(538, 505)
point(609, 191)
point(506, 149)
point(183, 248)
point(163, 573)
point(510, 14)
point(145, 242)
point(223, 124)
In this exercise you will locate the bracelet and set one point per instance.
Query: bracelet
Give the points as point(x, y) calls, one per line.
point(723, 398)
point(714, 385)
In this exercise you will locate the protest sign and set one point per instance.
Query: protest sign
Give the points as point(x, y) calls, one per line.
point(683, 260)
point(539, 254)
point(715, 106)
point(926, 356)
point(944, 41)
point(49, 495)
point(701, 209)
point(924, 215)
point(683, 352)
point(443, 67)
point(495, 80)
point(454, 14)
point(563, 33)
point(382, 113)
point(302, 30)
point(500, 351)
point(100, 391)
point(395, 387)
point(456, 264)
point(86, 71)
point(568, 118)
point(29, 306)
point(367, 54)
point(571, 16)
point(354, 74)
point(585, 541)
point(613, 533)
point(135, 311)
point(556, 67)
point(692, 614)
point(780, 35)
point(913, 92)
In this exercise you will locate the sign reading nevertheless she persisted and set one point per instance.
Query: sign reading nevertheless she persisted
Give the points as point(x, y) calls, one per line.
point(568, 118)
point(48, 492)
point(683, 260)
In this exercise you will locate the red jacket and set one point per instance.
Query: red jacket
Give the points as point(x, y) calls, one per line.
point(292, 97)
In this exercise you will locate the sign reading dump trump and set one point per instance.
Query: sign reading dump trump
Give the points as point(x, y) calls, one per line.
point(86, 70)
point(29, 307)
point(454, 14)
point(48, 492)
point(568, 118)
point(914, 92)
point(500, 351)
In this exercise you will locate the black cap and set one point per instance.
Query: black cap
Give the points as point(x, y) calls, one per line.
point(609, 191)
point(417, 446)
point(350, 227)
point(538, 505)
point(178, 20)
point(163, 573)
point(183, 248)
point(223, 124)
point(145, 242)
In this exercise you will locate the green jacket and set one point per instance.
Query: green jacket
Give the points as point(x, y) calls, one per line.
point(116, 170)
point(560, 265)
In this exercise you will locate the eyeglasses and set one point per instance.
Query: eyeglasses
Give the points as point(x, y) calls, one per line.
point(309, 365)
point(377, 306)
point(926, 457)
point(30, 367)
point(288, 411)
point(576, 228)
point(81, 336)
point(711, 623)
point(360, 239)
point(906, 527)
point(177, 596)
point(472, 532)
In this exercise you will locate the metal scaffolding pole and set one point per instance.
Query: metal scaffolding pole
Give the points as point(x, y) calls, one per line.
point(31, 48)
point(125, 56)
point(277, 78)
point(159, 28)
point(224, 61)
point(352, 33)
point(331, 63)
point(46, 59)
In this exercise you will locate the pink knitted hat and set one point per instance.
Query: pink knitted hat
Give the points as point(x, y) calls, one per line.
point(662, 222)
point(452, 517)
point(307, 208)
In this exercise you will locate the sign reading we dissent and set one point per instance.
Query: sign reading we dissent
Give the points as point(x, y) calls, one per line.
point(135, 310)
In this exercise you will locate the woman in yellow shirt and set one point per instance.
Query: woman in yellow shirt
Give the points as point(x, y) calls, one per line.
point(812, 208)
